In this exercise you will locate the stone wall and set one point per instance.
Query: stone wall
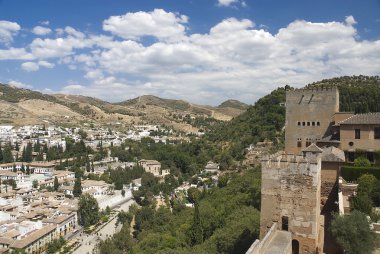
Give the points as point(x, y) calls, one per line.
point(291, 187)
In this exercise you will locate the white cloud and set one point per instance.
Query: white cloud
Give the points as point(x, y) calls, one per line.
point(30, 66)
point(15, 54)
point(40, 30)
point(350, 20)
point(46, 64)
point(35, 66)
point(8, 30)
point(226, 2)
point(45, 22)
point(234, 59)
point(158, 23)
point(19, 84)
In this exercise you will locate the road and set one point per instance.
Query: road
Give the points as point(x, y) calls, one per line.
point(89, 241)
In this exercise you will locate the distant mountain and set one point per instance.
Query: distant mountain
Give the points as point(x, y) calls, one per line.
point(234, 104)
point(23, 106)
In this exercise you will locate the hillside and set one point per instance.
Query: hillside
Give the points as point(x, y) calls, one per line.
point(266, 118)
point(359, 94)
point(25, 106)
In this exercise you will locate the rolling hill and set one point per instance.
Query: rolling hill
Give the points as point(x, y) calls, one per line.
point(24, 106)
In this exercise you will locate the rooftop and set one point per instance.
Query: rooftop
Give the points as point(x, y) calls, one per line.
point(369, 118)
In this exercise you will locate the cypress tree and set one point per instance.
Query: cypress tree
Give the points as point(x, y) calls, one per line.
point(1, 154)
point(77, 191)
point(56, 184)
point(7, 154)
point(196, 229)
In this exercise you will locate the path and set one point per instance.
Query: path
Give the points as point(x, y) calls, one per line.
point(89, 241)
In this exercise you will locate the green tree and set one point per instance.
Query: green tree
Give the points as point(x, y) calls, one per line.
point(88, 210)
point(1, 154)
point(196, 231)
point(7, 153)
point(56, 184)
point(22, 168)
point(35, 183)
point(77, 190)
point(362, 162)
point(353, 233)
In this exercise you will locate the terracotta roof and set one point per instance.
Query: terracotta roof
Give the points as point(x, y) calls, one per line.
point(6, 240)
point(34, 236)
point(370, 118)
point(313, 148)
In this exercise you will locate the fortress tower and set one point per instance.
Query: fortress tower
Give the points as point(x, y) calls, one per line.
point(290, 197)
point(309, 116)
point(298, 183)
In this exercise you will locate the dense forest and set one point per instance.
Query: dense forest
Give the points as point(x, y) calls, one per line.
point(225, 220)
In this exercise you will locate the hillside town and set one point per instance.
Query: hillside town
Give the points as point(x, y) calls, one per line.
point(37, 191)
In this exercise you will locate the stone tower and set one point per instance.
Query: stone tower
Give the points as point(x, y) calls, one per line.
point(290, 197)
point(309, 114)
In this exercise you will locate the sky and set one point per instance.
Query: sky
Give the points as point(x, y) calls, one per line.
point(201, 51)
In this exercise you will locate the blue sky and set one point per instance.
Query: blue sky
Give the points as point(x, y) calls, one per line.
point(203, 51)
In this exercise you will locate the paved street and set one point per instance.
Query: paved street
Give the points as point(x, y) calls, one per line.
point(90, 241)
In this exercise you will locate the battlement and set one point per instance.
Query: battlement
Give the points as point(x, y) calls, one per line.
point(315, 89)
point(285, 160)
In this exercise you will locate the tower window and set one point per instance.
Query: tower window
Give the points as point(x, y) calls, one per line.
point(318, 123)
point(357, 133)
point(285, 223)
point(308, 123)
point(299, 123)
point(303, 123)
point(313, 123)
point(377, 133)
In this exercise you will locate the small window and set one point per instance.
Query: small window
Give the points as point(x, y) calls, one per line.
point(299, 143)
point(351, 156)
point(377, 133)
point(351, 143)
point(308, 123)
point(313, 124)
point(318, 124)
point(357, 133)
point(303, 123)
point(299, 123)
point(285, 223)
point(308, 143)
point(370, 157)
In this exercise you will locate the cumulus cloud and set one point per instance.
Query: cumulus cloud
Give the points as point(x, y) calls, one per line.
point(15, 54)
point(8, 30)
point(234, 59)
point(158, 23)
point(226, 2)
point(30, 66)
point(40, 30)
point(35, 66)
point(229, 3)
point(46, 64)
